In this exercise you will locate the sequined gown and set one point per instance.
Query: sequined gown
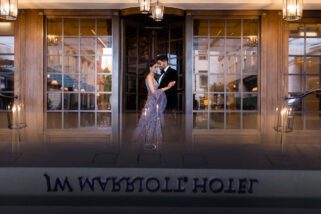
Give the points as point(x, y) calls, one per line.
point(150, 125)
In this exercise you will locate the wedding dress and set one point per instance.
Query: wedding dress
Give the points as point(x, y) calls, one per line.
point(150, 125)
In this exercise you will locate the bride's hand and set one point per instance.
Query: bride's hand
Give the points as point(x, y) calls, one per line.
point(171, 84)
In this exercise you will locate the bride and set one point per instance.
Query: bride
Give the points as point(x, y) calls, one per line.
point(149, 129)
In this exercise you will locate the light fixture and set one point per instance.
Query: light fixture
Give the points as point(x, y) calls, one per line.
point(8, 9)
point(144, 6)
point(158, 11)
point(292, 10)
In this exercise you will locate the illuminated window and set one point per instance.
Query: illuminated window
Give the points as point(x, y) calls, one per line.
point(79, 73)
point(225, 73)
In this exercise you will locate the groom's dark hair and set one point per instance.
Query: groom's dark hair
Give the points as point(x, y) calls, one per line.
point(162, 57)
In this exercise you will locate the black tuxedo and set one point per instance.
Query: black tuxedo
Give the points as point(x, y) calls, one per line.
point(171, 94)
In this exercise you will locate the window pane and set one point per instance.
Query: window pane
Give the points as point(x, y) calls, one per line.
point(54, 101)
point(295, 83)
point(104, 46)
point(200, 45)
point(250, 27)
point(54, 82)
point(296, 29)
point(200, 120)
point(54, 120)
point(105, 64)
point(6, 63)
point(200, 27)
point(233, 120)
point(217, 27)
point(200, 64)
point(250, 45)
point(217, 64)
point(313, 121)
point(87, 83)
point(71, 82)
point(87, 46)
point(298, 121)
point(71, 101)
point(104, 101)
point(54, 45)
point(6, 44)
point(233, 101)
point(296, 65)
point(250, 120)
point(87, 101)
point(6, 82)
point(104, 83)
point(296, 46)
point(313, 65)
point(233, 46)
point(87, 64)
point(313, 46)
point(217, 46)
point(87, 27)
point(70, 120)
point(216, 120)
point(251, 63)
point(71, 27)
point(87, 119)
point(54, 27)
point(216, 101)
point(313, 102)
point(131, 102)
point(313, 29)
point(5, 102)
point(103, 119)
point(234, 63)
point(250, 101)
point(250, 83)
point(104, 27)
point(200, 83)
point(54, 64)
point(216, 83)
point(7, 28)
point(233, 83)
point(313, 82)
point(71, 64)
point(233, 27)
point(200, 101)
point(71, 46)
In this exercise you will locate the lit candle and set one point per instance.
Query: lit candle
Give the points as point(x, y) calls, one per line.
point(19, 114)
point(14, 114)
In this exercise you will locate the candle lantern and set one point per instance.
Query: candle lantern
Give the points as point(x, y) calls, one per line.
point(16, 115)
point(9, 9)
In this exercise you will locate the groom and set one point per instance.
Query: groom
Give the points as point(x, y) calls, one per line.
point(168, 75)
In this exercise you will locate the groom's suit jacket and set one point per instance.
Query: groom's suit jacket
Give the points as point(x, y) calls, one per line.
point(171, 94)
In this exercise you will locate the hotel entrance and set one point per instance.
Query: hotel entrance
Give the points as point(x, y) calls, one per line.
point(142, 40)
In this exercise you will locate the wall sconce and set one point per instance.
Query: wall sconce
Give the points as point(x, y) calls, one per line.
point(16, 115)
point(292, 10)
point(158, 12)
point(9, 9)
point(144, 6)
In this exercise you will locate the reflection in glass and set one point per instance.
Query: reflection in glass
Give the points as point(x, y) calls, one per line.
point(71, 82)
point(104, 101)
point(233, 120)
point(313, 46)
point(250, 83)
point(6, 82)
point(216, 120)
point(217, 27)
point(250, 27)
point(54, 101)
point(233, 46)
point(87, 83)
point(233, 63)
point(54, 64)
point(296, 46)
point(298, 121)
point(103, 119)
point(313, 103)
point(71, 64)
point(54, 26)
point(70, 120)
point(295, 83)
point(54, 82)
point(233, 101)
point(87, 64)
point(87, 119)
point(296, 29)
point(313, 65)
point(249, 120)
point(200, 27)
point(233, 83)
point(71, 27)
point(217, 64)
point(71, 101)
point(250, 63)
point(87, 27)
point(250, 101)
point(54, 120)
point(54, 45)
point(3, 123)
point(104, 83)
point(6, 44)
point(200, 83)
point(296, 65)
point(6, 63)
point(87, 101)
point(313, 82)
point(233, 27)
point(131, 102)
point(200, 120)
point(217, 46)
point(200, 45)
point(71, 46)
point(5, 102)
point(216, 101)
point(216, 83)
point(104, 64)
point(200, 101)
point(104, 27)
point(313, 120)
point(313, 30)
point(87, 46)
